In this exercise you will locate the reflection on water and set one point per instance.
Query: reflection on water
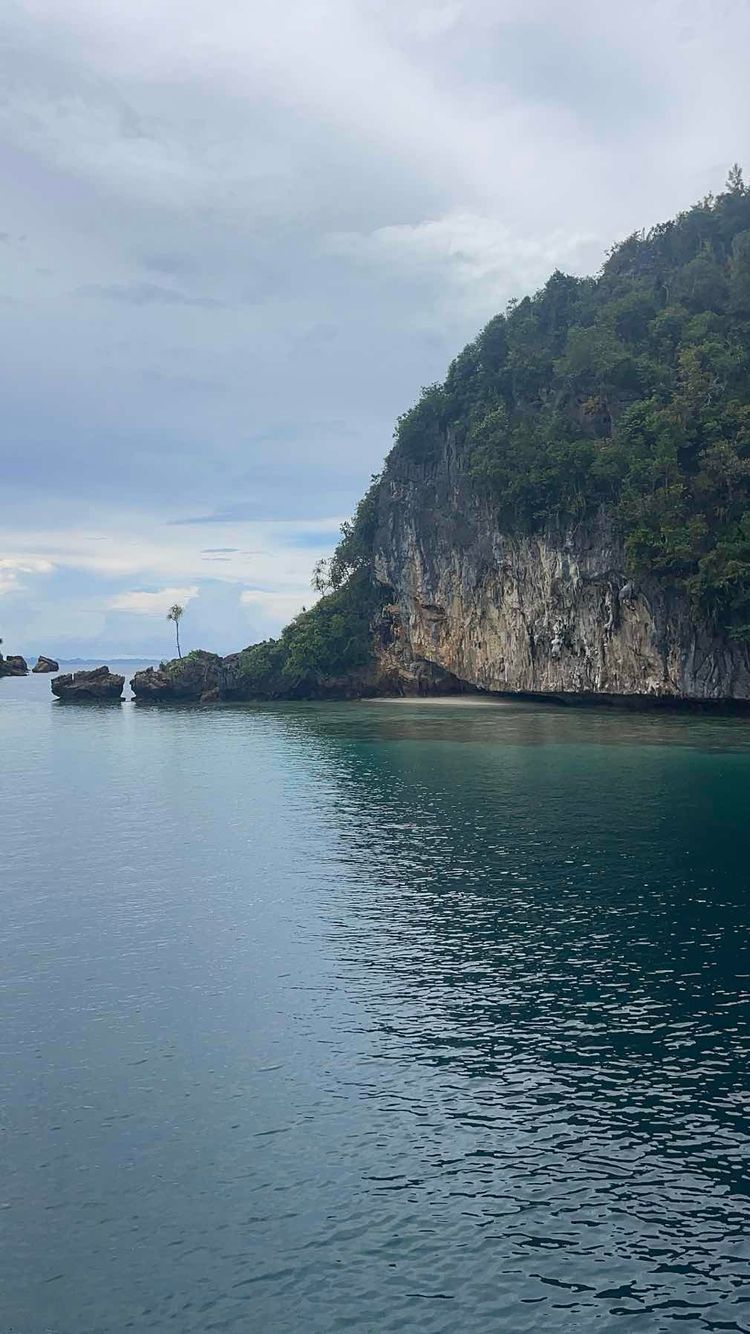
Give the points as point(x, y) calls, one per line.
point(375, 1017)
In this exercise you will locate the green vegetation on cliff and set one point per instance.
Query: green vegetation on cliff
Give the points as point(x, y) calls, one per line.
point(332, 639)
point(630, 391)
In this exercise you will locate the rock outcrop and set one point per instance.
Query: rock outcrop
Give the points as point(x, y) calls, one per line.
point(13, 665)
point(399, 670)
point(553, 613)
point(361, 683)
point(206, 678)
point(45, 664)
point(96, 686)
point(194, 677)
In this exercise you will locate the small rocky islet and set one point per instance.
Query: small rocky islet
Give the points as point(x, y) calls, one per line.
point(94, 686)
point(16, 665)
point(44, 664)
point(13, 665)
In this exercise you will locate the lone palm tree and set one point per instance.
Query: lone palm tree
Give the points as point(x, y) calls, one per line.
point(174, 614)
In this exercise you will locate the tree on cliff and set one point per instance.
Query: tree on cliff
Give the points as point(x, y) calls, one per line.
point(175, 614)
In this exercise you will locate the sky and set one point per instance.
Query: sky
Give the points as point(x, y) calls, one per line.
point(236, 239)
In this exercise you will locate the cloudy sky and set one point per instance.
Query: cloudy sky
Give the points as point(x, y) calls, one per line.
point(237, 237)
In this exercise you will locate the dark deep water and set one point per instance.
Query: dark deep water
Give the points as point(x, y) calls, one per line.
point(372, 1017)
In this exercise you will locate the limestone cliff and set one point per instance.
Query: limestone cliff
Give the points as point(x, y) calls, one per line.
point(567, 513)
point(554, 612)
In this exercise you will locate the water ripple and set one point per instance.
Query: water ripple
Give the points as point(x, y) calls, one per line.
point(373, 1017)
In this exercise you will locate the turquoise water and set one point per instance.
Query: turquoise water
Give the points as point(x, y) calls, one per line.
point(373, 1017)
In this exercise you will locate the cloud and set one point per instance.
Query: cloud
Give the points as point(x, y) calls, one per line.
point(130, 546)
point(152, 602)
point(232, 514)
point(147, 294)
point(281, 607)
point(254, 512)
point(476, 254)
point(12, 570)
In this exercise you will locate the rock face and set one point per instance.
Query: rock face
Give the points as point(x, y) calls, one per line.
point(97, 685)
point(199, 674)
point(553, 613)
point(45, 664)
point(14, 665)
point(401, 671)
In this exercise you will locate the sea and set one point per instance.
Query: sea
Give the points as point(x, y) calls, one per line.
point(372, 1016)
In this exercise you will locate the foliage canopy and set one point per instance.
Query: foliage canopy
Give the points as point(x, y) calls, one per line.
point(332, 639)
point(630, 391)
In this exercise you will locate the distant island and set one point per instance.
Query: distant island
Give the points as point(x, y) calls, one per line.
point(567, 514)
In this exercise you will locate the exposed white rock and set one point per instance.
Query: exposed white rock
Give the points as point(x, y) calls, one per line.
point(555, 612)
